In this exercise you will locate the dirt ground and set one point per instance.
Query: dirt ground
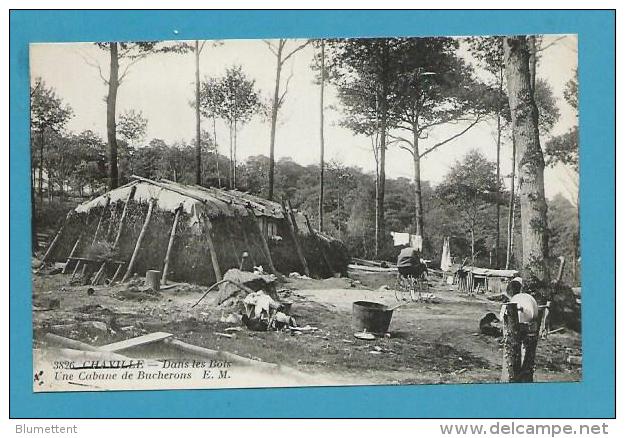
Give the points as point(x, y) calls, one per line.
point(429, 343)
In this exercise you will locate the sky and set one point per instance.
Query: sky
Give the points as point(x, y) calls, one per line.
point(161, 87)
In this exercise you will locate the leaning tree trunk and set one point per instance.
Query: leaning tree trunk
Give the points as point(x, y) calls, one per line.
point(530, 172)
point(274, 119)
point(111, 103)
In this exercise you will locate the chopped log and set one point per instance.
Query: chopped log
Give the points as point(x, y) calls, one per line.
point(211, 248)
point(511, 343)
point(56, 239)
point(131, 264)
point(263, 241)
point(71, 254)
point(152, 279)
point(320, 244)
point(290, 219)
point(97, 229)
point(122, 220)
point(170, 245)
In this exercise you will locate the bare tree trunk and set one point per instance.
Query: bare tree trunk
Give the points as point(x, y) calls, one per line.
point(321, 139)
point(498, 206)
point(234, 164)
point(216, 152)
point(111, 102)
point(40, 182)
point(417, 183)
point(198, 140)
point(510, 246)
point(274, 119)
point(530, 159)
point(380, 226)
point(230, 166)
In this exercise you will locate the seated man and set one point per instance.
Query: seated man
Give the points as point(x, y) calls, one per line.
point(409, 263)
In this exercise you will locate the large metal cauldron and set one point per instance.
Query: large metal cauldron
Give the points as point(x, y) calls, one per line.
point(371, 317)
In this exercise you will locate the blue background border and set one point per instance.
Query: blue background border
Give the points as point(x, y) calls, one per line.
point(594, 397)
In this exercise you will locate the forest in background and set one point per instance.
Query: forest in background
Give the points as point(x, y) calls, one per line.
point(68, 167)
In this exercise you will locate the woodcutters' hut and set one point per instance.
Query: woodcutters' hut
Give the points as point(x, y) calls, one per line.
point(189, 233)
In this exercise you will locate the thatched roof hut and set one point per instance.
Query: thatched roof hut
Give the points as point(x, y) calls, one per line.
point(189, 233)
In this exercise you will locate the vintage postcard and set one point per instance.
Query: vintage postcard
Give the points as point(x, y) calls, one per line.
point(297, 212)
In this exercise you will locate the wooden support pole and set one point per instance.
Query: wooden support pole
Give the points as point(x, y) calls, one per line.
point(56, 239)
point(97, 229)
point(170, 245)
point(117, 271)
point(75, 269)
point(263, 241)
point(96, 278)
point(511, 343)
point(109, 229)
point(133, 259)
point(71, 254)
point(122, 220)
point(293, 229)
point(213, 252)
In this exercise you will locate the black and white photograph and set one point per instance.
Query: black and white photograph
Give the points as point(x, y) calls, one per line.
point(305, 212)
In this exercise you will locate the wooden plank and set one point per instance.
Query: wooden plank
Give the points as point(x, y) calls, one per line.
point(133, 259)
point(170, 244)
point(150, 338)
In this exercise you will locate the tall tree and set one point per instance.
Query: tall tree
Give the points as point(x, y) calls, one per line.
point(239, 101)
point(365, 71)
point(471, 187)
point(435, 88)
point(122, 56)
point(48, 113)
point(210, 104)
point(489, 51)
point(283, 54)
point(531, 164)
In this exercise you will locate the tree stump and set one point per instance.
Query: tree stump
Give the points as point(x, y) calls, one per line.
point(153, 279)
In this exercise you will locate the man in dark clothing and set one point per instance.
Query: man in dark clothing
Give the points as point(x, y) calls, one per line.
point(409, 263)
